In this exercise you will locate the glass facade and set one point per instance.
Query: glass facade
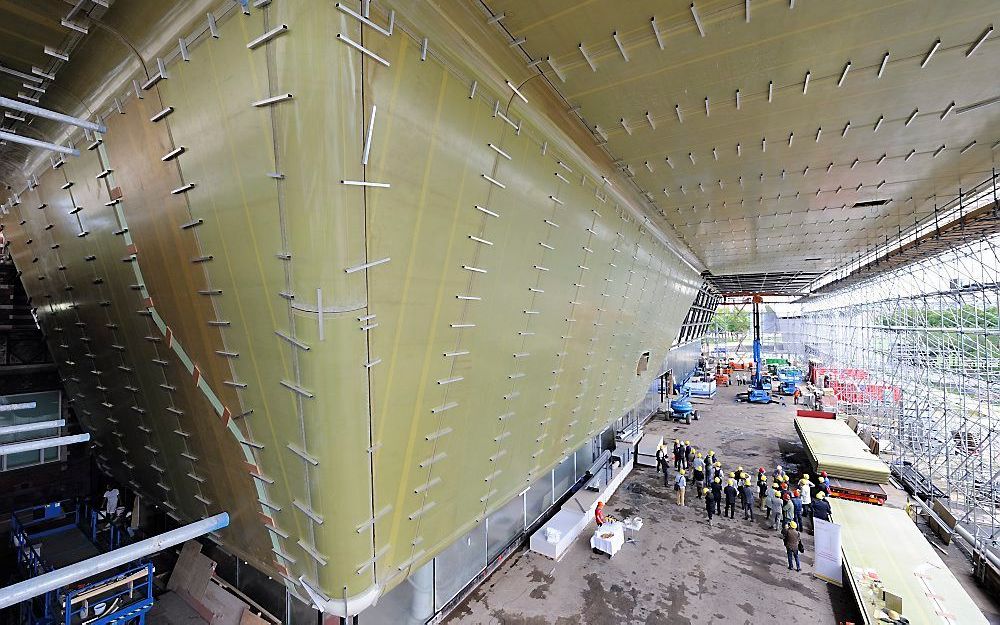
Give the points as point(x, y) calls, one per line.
point(30, 408)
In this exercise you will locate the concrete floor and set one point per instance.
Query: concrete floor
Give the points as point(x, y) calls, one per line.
point(682, 570)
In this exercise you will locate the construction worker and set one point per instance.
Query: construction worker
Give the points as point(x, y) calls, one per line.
point(748, 497)
point(710, 502)
point(797, 506)
point(740, 475)
point(717, 494)
point(774, 508)
point(821, 507)
point(710, 459)
point(698, 473)
point(796, 395)
point(730, 492)
point(599, 513)
point(792, 540)
point(680, 483)
point(805, 487)
point(678, 455)
point(823, 485)
point(787, 509)
point(762, 486)
point(688, 454)
point(660, 456)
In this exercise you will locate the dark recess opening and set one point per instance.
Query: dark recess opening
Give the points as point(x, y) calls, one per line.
point(870, 203)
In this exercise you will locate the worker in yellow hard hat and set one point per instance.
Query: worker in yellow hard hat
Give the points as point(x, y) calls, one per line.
point(680, 484)
point(730, 492)
point(716, 487)
point(678, 455)
point(698, 474)
point(793, 544)
point(689, 451)
point(805, 487)
point(821, 507)
point(709, 503)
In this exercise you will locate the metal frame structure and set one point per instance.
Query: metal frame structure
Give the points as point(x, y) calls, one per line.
point(914, 355)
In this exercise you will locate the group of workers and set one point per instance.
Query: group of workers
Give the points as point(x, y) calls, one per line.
point(785, 506)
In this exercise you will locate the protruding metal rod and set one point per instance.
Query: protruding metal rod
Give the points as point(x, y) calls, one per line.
point(22, 591)
point(54, 116)
point(32, 427)
point(42, 443)
point(35, 143)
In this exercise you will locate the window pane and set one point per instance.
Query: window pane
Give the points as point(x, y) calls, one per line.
point(565, 476)
point(538, 498)
point(22, 459)
point(455, 567)
point(300, 613)
point(504, 525)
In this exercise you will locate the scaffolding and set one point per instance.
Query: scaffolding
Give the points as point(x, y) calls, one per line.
point(914, 355)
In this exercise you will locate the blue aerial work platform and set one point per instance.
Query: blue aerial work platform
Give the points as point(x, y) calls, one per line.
point(61, 534)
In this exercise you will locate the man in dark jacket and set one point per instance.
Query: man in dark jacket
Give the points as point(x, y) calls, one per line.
point(678, 456)
point(821, 507)
point(730, 492)
point(748, 496)
point(790, 536)
point(710, 503)
point(660, 458)
point(717, 494)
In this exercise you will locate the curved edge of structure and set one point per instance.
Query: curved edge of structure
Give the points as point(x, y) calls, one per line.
point(348, 606)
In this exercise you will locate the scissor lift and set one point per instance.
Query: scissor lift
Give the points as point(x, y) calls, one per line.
point(117, 599)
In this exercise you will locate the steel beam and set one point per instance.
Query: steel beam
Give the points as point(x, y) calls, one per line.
point(35, 143)
point(42, 443)
point(30, 588)
point(32, 427)
point(53, 115)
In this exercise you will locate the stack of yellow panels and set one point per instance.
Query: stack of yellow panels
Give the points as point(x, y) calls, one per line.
point(882, 543)
point(835, 448)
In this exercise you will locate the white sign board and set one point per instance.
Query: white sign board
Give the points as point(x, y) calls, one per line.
point(829, 558)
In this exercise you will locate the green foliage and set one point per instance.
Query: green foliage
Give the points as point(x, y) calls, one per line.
point(731, 322)
point(951, 337)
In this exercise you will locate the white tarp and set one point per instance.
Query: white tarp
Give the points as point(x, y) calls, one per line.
point(828, 556)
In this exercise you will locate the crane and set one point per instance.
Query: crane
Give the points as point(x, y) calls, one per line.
point(760, 381)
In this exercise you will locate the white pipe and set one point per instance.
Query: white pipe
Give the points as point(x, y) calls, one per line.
point(53, 115)
point(961, 531)
point(35, 143)
point(42, 443)
point(22, 591)
point(32, 427)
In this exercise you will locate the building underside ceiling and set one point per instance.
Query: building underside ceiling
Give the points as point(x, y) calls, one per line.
point(774, 283)
point(777, 137)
